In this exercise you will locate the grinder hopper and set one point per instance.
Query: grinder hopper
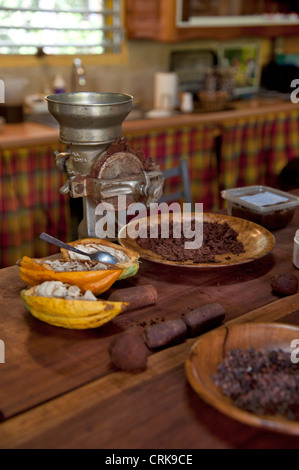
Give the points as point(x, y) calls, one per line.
point(99, 164)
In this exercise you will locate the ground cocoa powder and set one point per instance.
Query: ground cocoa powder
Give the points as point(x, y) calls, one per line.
point(217, 239)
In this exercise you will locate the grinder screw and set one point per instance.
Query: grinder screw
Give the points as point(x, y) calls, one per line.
point(60, 159)
point(65, 188)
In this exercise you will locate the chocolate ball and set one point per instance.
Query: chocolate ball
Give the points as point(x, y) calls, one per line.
point(284, 284)
point(128, 352)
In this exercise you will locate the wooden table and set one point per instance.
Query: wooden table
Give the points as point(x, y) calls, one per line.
point(58, 388)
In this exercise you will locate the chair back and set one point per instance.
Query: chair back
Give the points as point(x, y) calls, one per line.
point(181, 170)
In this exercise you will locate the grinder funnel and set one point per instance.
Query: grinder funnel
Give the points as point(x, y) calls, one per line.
point(87, 118)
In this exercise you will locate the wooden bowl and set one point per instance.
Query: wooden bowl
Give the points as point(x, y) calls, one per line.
point(210, 350)
point(257, 241)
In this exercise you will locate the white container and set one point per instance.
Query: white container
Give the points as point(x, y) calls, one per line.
point(296, 250)
point(187, 102)
point(166, 91)
point(14, 88)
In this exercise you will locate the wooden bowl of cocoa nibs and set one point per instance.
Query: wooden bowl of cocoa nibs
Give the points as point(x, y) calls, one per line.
point(249, 372)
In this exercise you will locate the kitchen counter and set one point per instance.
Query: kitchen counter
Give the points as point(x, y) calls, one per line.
point(26, 134)
point(58, 388)
point(31, 133)
point(241, 109)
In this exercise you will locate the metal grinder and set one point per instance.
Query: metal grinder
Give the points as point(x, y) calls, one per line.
point(99, 163)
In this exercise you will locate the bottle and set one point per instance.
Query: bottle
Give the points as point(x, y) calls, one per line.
point(58, 84)
point(296, 250)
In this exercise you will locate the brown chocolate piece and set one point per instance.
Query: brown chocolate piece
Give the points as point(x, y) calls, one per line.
point(165, 334)
point(204, 318)
point(284, 284)
point(128, 352)
point(138, 296)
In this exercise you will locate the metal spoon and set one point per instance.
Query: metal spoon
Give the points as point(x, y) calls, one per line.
point(96, 256)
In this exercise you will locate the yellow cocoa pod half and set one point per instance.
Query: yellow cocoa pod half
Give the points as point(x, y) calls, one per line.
point(128, 259)
point(73, 314)
point(34, 271)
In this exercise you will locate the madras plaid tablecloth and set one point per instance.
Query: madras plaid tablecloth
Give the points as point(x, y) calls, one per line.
point(197, 145)
point(30, 203)
point(254, 150)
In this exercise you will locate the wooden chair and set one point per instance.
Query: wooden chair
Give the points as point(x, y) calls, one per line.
point(289, 176)
point(182, 170)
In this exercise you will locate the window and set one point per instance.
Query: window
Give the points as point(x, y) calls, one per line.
point(60, 27)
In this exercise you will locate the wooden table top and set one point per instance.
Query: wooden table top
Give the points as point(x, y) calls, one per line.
point(58, 388)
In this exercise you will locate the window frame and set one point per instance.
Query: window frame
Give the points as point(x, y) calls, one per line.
point(107, 58)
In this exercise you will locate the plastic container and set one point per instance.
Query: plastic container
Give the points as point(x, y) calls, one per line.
point(12, 110)
point(263, 205)
point(12, 113)
point(186, 105)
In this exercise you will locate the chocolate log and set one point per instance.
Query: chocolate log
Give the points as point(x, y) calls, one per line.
point(165, 334)
point(204, 318)
point(138, 296)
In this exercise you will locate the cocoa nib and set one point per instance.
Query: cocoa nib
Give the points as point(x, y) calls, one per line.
point(217, 239)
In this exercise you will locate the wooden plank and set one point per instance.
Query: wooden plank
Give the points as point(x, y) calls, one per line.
point(285, 308)
point(88, 407)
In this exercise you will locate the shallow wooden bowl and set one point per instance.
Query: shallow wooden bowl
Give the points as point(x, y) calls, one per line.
point(257, 242)
point(210, 350)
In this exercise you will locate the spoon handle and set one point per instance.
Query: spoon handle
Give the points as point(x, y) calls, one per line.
point(48, 238)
